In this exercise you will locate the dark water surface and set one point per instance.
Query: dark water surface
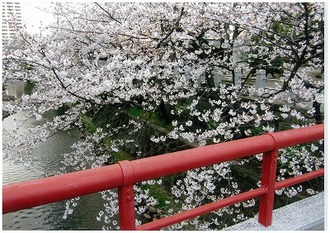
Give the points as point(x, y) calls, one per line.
point(46, 159)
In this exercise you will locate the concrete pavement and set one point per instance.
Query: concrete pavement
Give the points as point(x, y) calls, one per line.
point(303, 215)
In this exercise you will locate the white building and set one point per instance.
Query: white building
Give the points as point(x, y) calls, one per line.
point(11, 20)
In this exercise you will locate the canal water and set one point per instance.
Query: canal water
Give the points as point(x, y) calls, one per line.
point(46, 160)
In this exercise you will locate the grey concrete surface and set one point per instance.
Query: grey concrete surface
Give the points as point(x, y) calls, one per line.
point(303, 215)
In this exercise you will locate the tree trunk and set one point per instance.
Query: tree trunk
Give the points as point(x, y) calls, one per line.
point(318, 116)
point(164, 112)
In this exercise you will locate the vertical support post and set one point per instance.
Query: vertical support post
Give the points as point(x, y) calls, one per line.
point(126, 197)
point(268, 178)
point(126, 207)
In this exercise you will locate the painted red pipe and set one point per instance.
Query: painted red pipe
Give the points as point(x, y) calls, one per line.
point(43, 191)
point(56, 188)
point(52, 189)
point(294, 137)
point(180, 161)
point(176, 218)
point(126, 197)
point(299, 179)
point(199, 157)
point(268, 178)
point(126, 207)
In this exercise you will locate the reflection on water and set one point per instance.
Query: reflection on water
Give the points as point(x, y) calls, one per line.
point(46, 159)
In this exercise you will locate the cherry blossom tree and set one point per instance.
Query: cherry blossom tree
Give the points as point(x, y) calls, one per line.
point(146, 76)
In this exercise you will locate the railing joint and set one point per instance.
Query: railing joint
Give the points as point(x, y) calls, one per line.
point(126, 197)
point(264, 188)
point(276, 144)
point(127, 171)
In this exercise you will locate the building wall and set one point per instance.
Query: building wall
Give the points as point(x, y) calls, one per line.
point(11, 20)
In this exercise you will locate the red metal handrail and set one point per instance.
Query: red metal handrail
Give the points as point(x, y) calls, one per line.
point(124, 174)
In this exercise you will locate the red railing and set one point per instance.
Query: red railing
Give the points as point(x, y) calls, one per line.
point(124, 174)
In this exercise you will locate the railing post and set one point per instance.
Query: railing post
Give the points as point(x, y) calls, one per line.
point(268, 178)
point(126, 198)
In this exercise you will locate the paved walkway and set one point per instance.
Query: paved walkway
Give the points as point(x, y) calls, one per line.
point(303, 215)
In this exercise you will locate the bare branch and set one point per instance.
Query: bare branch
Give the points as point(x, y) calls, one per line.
point(172, 30)
point(108, 13)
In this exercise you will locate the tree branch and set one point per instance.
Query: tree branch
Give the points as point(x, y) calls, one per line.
point(172, 30)
point(107, 12)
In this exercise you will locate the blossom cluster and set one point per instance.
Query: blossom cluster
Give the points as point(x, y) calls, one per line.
point(168, 76)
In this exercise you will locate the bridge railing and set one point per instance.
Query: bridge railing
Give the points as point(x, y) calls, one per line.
point(124, 174)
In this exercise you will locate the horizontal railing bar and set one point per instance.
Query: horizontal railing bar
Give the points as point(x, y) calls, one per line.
point(61, 187)
point(57, 188)
point(297, 136)
point(161, 223)
point(176, 218)
point(176, 162)
point(181, 161)
point(299, 179)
